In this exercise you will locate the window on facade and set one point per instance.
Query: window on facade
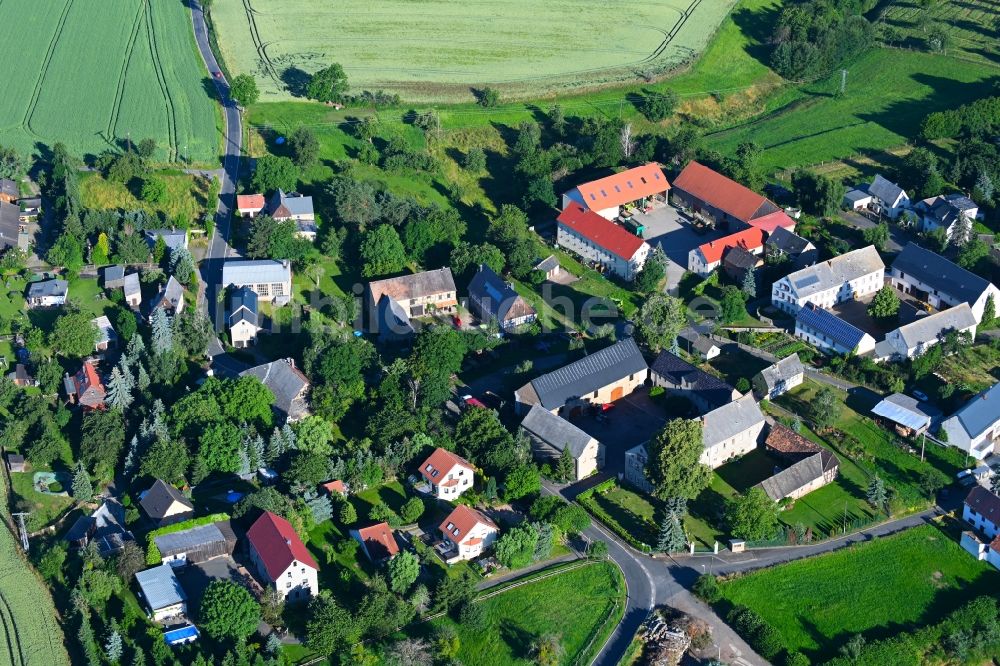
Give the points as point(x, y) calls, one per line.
point(595, 394)
point(263, 289)
point(279, 289)
point(288, 585)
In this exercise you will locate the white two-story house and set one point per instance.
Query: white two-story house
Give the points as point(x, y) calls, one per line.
point(467, 533)
point(929, 277)
point(856, 274)
point(975, 428)
point(448, 475)
point(281, 559)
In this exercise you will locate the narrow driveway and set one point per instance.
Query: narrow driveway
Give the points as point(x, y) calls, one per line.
point(897, 236)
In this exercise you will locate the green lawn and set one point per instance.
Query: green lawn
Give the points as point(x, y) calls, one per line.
point(635, 512)
point(882, 588)
point(592, 595)
point(888, 94)
point(187, 196)
point(44, 508)
point(392, 494)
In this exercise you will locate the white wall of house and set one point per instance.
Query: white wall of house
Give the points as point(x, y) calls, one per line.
point(785, 297)
point(46, 301)
point(822, 341)
point(782, 386)
point(446, 490)
point(697, 263)
point(895, 339)
point(738, 445)
point(635, 468)
point(568, 239)
point(161, 614)
point(979, 446)
point(476, 542)
point(243, 334)
point(979, 522)
point(298, 583)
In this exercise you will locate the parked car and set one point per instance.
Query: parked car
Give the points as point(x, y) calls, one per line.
point(920, 395)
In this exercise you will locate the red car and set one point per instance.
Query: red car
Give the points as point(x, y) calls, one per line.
point(607, 407)
point(218, 75)
point(457, 321)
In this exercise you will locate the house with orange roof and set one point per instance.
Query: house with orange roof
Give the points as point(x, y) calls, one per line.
point(599, 241)
point(466, 533)
point(335, 486)
point(638, 187)
point(712, 196)
point(250, 205)
point(446, 474)
point(85, 387)
point(281, 558)
point(377, 542)
point(708, 256)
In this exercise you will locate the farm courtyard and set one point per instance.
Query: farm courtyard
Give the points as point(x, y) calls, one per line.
point(435, 50)
point(93, 79)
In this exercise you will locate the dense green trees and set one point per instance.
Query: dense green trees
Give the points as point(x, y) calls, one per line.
point(674, 466)
point(228, 611)
point(328, 84)
point(817, 194)
point(243, 89)
point(382, 252)
point(752, 515)
point(661, 319)
point(273, 173)
point(885, 305)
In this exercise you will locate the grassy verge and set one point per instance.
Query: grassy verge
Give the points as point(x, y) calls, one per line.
point(187, 196)
point(880, 588)
point(592, 595)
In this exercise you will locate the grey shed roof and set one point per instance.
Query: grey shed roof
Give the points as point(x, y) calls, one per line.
point(548, 263)
point(9, 187)
point(788, 242)
point(107, 520)
point(106, 332)
point(981, 412)
point(829, 324)
point(172, 238)
point(937, 325)
point(293, 203)
point(677, 371)
point(835, 272)
point(186, 540)
point(255, 271)
point(730, 420)
point(48, 288)
point(739, 257)
point(160, 587)
point(906, 411)
point(783, 370)
point(555, 431)
point(286, 383)
point(589, 374)
point(790, 479)
point(698, 341)
point(884, 189)
point(171, 296)
point(933, 269)
point(497, 297)
point(113, 276)
point(857, 195)
point(160, 497)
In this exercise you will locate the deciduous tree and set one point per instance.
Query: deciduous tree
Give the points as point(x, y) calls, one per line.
point(328, 84)
point(674, 466)
point(243, 90)
point(228, 611)
point(753, 515)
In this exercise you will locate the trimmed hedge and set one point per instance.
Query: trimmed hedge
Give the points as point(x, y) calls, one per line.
point(757, 631)
point(586, 500)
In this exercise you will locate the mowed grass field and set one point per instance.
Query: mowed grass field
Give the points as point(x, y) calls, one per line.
point(92, 76)
point(437, 49)
point(880, 588)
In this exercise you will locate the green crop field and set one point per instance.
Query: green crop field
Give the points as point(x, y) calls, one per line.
point(437, 49)
point(881, 588)
point(92, 78)
point(970, 25)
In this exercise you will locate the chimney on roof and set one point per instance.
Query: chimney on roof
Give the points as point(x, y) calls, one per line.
point(288, 542)
point(284, 263)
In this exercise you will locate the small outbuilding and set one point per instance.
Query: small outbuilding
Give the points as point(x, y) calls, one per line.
point(908, 415)
point(15, 462)
point(196, 544)
point(164, 596)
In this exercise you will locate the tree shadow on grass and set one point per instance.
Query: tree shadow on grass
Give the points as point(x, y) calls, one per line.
point(519, 639)
point(759, 26)
point(296, 81)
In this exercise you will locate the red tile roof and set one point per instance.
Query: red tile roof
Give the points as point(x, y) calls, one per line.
point(723, 193)
point(442, 462)
point(379, 541)
point(624, 187)
point(90, 376)
point(249, 201)
point(768, 223)
point(277, 545)
point(601, 232)
point(464, 519)
point(749, 239)
point(335, 486)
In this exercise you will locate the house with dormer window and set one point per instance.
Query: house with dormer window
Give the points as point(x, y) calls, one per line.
point(466, 534)
point(447, 475)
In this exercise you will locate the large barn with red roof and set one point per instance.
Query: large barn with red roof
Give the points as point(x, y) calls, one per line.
point(281, 558)
point(711, 195)
point(600, 241)
point(607, 196)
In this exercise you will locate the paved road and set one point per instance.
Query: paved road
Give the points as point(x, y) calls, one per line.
point(218, 248)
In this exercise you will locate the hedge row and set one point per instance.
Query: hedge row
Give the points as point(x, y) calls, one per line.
point(153, 556)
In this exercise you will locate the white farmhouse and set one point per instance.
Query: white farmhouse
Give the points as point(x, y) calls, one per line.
point(281, 558)
point(597, 240)
point(730, 431)
point(975, 427)
point(917, 337)
point(855, 274)
point(929, 277)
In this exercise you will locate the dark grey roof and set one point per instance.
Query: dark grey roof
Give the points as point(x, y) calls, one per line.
point(698, 341)
point(160, 587)
point(555, 431)
point(548, 263)
point(286, 383)
point(985, 503)
point(961, 202)
point(677, 371)
point(589, 374)
point(727, 421)
point(104, 524)
point(788, 242)
point(130, 285)
point(243, 306)
point(496, 297)
point(857, 194)
point(740, 258)
point(790, 479)
point(114, 276)
point(295, 204)
point(48, 288)
point(9, 187)
point(906, 411)
point(981, 412)
point(934, 270)
point(885, 190)
point(187, 540)
point(783, 370)
point(830, 325)
point(933, 327)
point(159, 498)
point(29, 202)
point(10, 224)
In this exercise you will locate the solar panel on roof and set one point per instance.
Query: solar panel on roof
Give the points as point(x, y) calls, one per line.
point(806, 281)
